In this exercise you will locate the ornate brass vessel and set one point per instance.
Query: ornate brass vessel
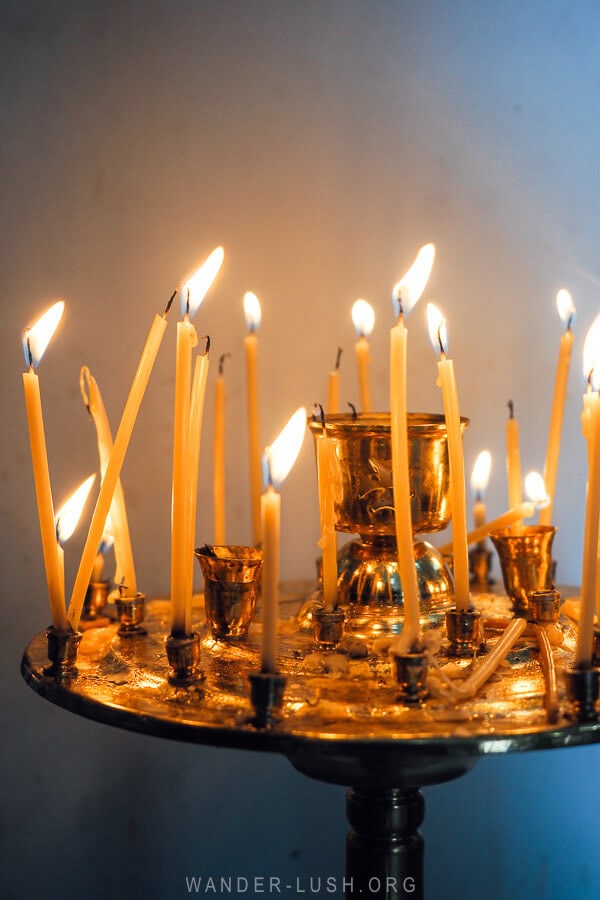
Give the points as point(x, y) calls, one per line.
point(369, 586)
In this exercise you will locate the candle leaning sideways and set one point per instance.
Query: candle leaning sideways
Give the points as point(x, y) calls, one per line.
point(115, 463)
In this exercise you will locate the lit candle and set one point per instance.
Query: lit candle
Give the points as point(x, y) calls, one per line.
point(513, 465)
point(253, 315)
point(566, 311)
point(329, 493)
point(219, 455)
point(279, 458)
point(185, 467)
point(35, 342)
point(591, 432)
point(67, 519)
point(115, 462)
point(480, 477)
point(333, 393)
point(447, 382)
point(363, 317)
point(524, 511)
point(404, 295)
point(125, 569)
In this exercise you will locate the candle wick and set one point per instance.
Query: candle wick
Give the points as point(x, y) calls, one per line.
point(222, 359)
point(478, 496)
point(206, 337)
point(57, 529)
point(170, 303)
point(321, 414)
point(337, 359)
point(511, 409)
point(84, 380)
point(441, 343)
point(569, 322)
point(353, 408)
point(589, 380)
point(187, 303)
point(29, 353)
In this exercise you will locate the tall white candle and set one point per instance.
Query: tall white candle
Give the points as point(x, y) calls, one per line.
point(219, 455)
point(253, 315)
point(329, 494)
point(447, 383)
point(35, 342)
point(404, 296)
point(125, 569)
point(279, 458)
point(566, 311)
point(363, 317)
point(185, 463)
point(333, 388)
point(513, 465)
point(591, 432)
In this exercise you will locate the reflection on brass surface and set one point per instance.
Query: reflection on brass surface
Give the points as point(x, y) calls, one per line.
point(370, 589)
point(348, 728)
point(526, 561)
point(231, 581)
point(364, 452)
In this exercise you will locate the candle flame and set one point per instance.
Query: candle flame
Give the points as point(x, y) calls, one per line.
point(536, 489)
point(436, 325)
point(591, 355)
point(252, 311)
point(565, 307)
point(67, 517)
point(37, 338)
point(194, 290)
point(363, 317)
point(281, 455)
point(480, 475)
point(407, 292)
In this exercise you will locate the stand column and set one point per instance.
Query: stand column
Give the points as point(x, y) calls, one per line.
point(384, 849)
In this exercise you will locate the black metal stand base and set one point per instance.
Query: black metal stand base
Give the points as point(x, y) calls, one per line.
point(384, 849)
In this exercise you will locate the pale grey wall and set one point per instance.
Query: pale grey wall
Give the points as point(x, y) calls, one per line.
point(321, 143)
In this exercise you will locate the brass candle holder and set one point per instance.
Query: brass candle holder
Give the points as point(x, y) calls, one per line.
point(231, 583)
point(131, 612)
point(96, 598)
point(328, 625)
point(526, 562)
point(369, 585)
point(582, 690)
point(183, 654)
point(411, 675)
point(266, 696)
point(544, 607)
point(63, 647)
point(463, 629)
